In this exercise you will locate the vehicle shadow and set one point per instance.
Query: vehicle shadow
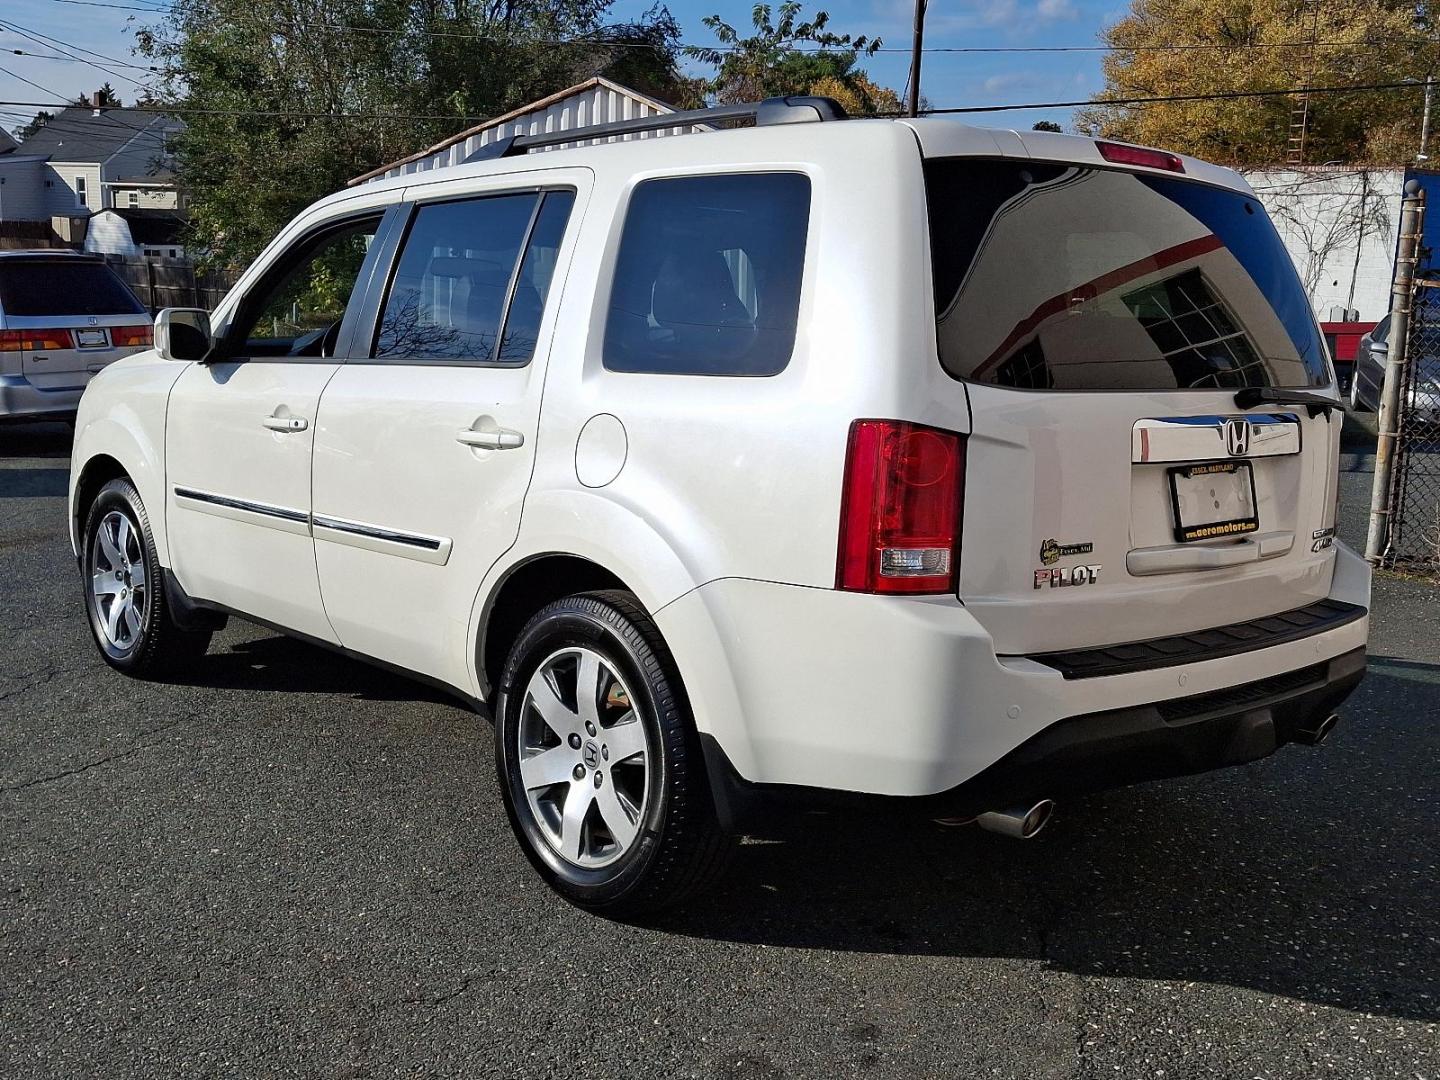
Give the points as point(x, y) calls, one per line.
point(284, 665)
point(1310, 875)
point(34, 483)
point(35, 440)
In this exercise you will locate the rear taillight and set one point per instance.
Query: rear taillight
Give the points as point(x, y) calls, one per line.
point(35, 340)
point(1125, 154)
point(900, 511)
point(127, 337)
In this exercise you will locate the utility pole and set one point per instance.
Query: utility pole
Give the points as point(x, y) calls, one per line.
point(1425, 121)
point(1412, 216)
point(913, 105)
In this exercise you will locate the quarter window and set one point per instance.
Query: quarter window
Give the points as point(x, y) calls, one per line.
point(457, 293)
point(708, 277)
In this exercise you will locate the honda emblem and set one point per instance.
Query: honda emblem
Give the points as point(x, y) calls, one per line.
point(1237, 437)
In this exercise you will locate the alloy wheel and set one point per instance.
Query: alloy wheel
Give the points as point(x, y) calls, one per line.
point(118, 586)
point(584, 758)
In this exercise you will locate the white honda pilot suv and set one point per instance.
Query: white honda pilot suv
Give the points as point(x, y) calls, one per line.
point(949, 469)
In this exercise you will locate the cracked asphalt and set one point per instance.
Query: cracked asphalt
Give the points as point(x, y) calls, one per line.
point(290, 864)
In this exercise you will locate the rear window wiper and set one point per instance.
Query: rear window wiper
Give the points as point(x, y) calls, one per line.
point(1251, 396)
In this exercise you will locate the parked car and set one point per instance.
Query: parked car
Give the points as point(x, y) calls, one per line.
point(63, 317)
point(1422, 398)
point(727, 474)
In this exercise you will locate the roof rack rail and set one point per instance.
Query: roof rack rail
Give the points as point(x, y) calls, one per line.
point(777, 110)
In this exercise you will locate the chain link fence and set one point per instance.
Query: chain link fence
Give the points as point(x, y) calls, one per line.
point(1414, 542)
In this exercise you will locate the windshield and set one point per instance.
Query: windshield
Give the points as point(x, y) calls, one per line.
point(1067, 277)
point(40, 287)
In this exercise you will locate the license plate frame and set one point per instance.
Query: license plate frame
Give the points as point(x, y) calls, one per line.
point(1214, 528)
point(91, 339)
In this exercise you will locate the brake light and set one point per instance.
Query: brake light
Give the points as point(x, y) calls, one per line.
point(35, 340)
point(900, 510)
point(127, 337)
point(1124, 154)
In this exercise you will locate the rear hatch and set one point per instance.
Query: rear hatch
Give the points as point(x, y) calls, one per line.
point(1102, 320)
point(66, 317)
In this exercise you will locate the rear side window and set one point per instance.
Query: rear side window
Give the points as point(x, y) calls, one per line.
point(708, 277)
point(456, 293)
point(1062, 277)
point(39, 287)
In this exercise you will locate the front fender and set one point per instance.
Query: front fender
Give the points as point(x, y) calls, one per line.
point(122, 417)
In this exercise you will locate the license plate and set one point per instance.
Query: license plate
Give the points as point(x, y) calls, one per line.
point(1213, 500)
point(91, 339)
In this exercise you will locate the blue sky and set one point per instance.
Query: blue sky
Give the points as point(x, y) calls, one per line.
point(948, 79)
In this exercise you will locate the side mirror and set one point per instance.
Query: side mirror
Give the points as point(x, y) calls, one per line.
point(1379, 347)
point(183, 334)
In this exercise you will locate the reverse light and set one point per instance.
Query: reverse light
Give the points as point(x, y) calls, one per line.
point(127, 337)
point(900, 509)
point(1124, 154)
point(35, 340)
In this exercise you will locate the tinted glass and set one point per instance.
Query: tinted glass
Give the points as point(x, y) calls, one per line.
point(39, 287)
point(708, 277)
point(299, 313)
point(448, 295)
point(1072, 278)
point(522, 322)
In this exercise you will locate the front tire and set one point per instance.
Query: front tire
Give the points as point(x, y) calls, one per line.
point(124, 589)
point(598, 759)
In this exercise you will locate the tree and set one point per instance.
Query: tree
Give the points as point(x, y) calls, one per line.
point(286, 100)
point(1258, 45)
point(1045, 125)
point(107, 95)
point(38, 121)
point(789, 56)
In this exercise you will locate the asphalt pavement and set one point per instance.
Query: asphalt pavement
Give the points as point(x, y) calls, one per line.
point(291, 864)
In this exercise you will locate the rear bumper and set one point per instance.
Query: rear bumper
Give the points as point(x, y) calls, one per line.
point(813, 688)
point(1104, 750)
point(19, 397)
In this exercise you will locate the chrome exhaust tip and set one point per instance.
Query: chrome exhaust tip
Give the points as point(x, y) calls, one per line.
point(1021, 822)
point(1314, 736)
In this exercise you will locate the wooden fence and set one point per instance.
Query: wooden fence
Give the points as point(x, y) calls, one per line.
point(161, 283)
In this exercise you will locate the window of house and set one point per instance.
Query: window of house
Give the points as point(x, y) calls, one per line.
point(80, 190)
point(457, 293)
point(708, 277)
point(133, 198)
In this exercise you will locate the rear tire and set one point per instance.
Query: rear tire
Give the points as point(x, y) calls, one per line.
point(125, 589)
point(598, 760)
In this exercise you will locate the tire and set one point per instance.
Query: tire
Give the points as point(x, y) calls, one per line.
point(1356, 405)
point(124, 589)
point(632, 751)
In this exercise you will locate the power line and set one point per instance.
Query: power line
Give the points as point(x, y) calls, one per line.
point(1216, 96)
point(968, 49)
point(185, 110)
point(75, 60)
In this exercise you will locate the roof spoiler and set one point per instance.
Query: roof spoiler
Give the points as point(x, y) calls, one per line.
point(776, 110)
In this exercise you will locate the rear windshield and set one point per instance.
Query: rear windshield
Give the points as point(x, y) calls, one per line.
point(63, 287)
point(1061, 277)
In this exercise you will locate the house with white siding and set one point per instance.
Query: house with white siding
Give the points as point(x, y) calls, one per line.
point(89, 159)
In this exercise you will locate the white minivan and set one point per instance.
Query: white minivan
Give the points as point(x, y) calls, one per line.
point(943, 469)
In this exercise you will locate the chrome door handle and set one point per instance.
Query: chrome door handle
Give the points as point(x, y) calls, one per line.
point(497, 439)
point(286, 423)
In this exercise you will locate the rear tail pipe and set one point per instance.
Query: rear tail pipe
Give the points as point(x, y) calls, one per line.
point(1318, 732)
point(1021, 822)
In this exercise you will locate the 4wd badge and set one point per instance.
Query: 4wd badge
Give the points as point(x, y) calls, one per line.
point(1052, 551)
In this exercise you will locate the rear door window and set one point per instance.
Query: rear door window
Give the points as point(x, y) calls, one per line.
point(1058, 277)
point(708, 277)
point(462, 290)
point(63, 287)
